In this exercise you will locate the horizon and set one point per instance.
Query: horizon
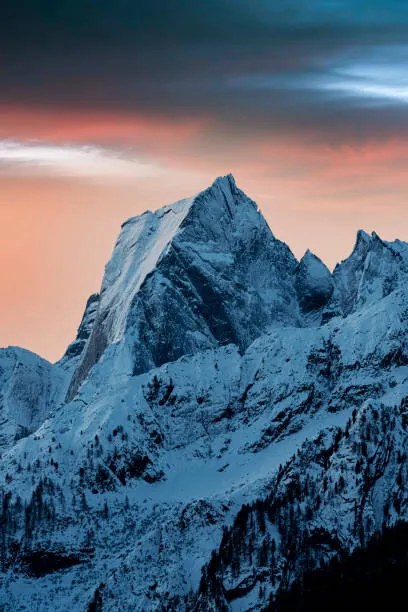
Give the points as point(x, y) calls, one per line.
point(107, 110)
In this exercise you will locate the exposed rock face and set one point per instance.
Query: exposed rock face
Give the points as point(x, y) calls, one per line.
point(224, 397)
point(75, 349)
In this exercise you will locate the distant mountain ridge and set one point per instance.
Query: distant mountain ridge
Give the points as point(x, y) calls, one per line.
point(219, 396)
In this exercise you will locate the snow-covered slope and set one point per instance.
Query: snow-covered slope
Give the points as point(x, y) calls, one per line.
point(225, 397)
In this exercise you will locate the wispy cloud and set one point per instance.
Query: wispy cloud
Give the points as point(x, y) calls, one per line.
point(374, 76)
point(372, 82)
point(73, 160)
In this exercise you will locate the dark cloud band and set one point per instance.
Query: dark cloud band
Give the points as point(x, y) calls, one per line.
point(280, 65)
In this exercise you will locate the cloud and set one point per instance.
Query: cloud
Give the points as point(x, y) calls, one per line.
point(374, 73)
point(371, 83)
point(147, 21)
point(283, 66)
point(30, 158)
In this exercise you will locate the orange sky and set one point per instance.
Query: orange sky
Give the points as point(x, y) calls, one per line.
point(61, 208)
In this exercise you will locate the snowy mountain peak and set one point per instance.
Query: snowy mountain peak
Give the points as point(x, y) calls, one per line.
point(374, 269)
point(362, 236)
point(198, 273)
point(314, 283)
point(309, 258)
point(225, 182)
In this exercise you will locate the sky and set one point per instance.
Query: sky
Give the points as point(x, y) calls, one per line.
point(109, 108)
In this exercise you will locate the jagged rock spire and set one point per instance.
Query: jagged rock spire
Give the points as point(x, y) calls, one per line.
point(202, 272)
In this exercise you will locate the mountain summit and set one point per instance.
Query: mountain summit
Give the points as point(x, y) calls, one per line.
point(226, 419)
point(203, 272)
